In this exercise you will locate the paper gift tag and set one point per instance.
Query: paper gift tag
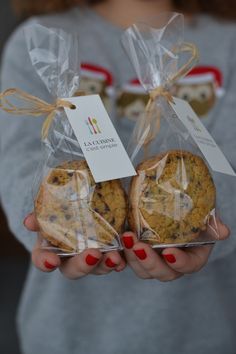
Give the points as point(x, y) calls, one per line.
point(98, 139)
point(202, 137)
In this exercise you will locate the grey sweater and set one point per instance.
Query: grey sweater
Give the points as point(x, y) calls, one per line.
point(120, 313)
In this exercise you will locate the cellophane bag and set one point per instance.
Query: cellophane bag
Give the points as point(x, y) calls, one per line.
point(172, 200)
point(73, 212)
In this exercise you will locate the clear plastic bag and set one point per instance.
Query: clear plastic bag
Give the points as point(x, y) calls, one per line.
point(173, 197)
point(73, 212)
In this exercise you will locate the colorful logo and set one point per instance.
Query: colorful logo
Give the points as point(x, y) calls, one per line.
point(92, 125)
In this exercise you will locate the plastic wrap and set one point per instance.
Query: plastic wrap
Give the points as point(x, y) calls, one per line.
point(172, 199)
point(73, 212)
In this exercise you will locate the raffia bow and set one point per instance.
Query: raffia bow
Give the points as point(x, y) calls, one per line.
point(36, 108)
point(162, 91)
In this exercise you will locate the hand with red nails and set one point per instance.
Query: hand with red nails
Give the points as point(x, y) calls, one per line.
point(171, 263)
point(90, 261)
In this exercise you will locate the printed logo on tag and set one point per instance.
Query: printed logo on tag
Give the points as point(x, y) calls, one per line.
point(98, 139)
point(202, 137)
point(93, 127)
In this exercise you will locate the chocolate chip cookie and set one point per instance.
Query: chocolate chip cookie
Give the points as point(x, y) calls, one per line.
point(75, 213)
point(171, 198)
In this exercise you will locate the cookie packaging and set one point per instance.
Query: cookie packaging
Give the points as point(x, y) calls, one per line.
point(172, 200)
point(73, 212)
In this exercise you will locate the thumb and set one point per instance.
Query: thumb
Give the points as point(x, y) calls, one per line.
point(216, 227)
point(224, 231)
point(30, 222)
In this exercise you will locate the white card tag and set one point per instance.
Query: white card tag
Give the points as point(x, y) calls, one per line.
point(98, 139)
point(202, 137)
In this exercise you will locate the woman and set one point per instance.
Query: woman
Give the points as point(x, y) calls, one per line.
point(90, 315)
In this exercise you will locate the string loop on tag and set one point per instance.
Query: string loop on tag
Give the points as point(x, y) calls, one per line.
point(183, 71)
point(162, 91)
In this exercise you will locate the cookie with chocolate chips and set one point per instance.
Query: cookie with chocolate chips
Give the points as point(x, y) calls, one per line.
point(75, 213)
point(171, 198)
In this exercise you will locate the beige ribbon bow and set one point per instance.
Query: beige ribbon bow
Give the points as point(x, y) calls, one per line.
point(161, 91)
point(37, 107)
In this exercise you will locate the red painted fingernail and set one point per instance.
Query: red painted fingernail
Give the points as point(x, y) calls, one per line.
point(49, 265)
point(169, 258)
point(110, 263)
point(91, 260)
point(141, 254)
point(128, 241)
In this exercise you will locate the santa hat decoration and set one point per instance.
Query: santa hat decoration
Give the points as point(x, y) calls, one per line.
point(98, 73)
point(135, 87)
point(205, 74)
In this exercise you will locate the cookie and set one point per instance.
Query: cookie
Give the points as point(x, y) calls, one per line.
point(171, 198)
point(75, 213)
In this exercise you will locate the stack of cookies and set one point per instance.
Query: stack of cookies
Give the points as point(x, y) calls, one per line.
point(75, 213)
point(170, 202)
point(171, 198)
